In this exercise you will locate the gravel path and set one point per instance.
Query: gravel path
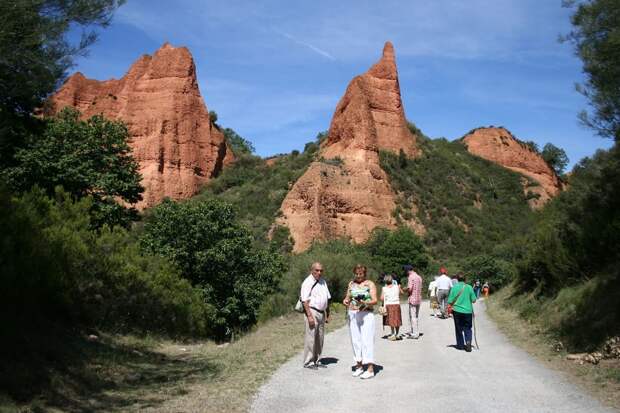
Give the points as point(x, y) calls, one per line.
point(425, 375)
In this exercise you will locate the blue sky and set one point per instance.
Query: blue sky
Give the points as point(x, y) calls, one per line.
point(274, 70)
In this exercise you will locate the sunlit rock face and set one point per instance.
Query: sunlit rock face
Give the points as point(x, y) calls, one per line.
point(498, 145)
point(346, 193)
point(175, 143)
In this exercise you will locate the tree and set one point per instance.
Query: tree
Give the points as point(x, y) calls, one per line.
point(555, 157)
point(213, 117)
point(216, 254)
point(393, 249)
point(532, 145)
point(239, 145)
point(35, 55)
point(596, 37)
point(86, 158)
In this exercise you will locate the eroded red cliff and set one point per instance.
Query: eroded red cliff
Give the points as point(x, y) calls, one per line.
point(500, 146)
point(175, 143)
point(346, 193)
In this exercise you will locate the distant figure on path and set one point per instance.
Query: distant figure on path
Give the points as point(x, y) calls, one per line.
point(443, 289)
point(315, 297)
point(432, 294)
point(477, 288)
point(461, 299)
point(360, 298)
point(414, 288)
point(390, 296)
point(485, 289)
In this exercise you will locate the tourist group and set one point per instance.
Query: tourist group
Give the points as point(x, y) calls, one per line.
point(449, 298)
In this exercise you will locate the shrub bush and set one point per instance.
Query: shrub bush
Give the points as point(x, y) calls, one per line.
point(55, 269)
point(215, 253)
point(391, 250)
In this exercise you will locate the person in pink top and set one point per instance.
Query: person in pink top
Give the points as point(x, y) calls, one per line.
point(414, 288)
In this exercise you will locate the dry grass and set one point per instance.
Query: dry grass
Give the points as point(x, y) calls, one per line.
point(124, 373)
point(602, 380)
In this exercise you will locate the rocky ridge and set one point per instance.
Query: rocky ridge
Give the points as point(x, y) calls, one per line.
point(498, 145)
point(346, 193)
point(175, 143)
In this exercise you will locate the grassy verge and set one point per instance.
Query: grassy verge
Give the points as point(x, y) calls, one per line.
point(124, 373)
point(602, 380)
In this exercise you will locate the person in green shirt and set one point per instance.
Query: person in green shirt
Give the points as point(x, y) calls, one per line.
point(462, 298)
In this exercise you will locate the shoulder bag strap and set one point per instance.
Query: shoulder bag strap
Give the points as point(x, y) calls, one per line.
point(457, 296)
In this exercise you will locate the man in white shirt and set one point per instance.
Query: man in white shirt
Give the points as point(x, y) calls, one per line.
point(315, 297)
point(444, 283)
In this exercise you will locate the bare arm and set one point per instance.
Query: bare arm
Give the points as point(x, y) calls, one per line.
point(373, 294)
point(347, 297)
point(311, 321)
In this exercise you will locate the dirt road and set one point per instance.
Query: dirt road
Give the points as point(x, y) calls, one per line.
point(425, 375)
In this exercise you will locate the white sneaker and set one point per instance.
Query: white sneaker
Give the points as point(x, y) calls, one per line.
point(358, 372)
point(367, 375)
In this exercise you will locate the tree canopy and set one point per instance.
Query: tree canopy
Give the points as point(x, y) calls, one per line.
point(35, 54)
point(555, 157)
point(596, 36)
point(216, 254)
point(86, 158)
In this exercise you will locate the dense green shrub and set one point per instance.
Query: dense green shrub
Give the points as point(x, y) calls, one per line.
point(391, 250)
point(87, 158)
point(215, 253)
point(571, 259)
point(495, 271)
point(55, 269)
point(467, 204)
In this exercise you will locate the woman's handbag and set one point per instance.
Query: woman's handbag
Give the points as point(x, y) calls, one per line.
point(383, 310)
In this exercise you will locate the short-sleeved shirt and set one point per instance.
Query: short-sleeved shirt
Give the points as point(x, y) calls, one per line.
point(464, 304)
point(390, 294)
point(414, 284)
point(444, 282)
point(432, 288)
point(319, 297)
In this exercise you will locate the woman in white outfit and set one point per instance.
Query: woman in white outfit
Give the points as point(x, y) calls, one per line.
point(360, 299)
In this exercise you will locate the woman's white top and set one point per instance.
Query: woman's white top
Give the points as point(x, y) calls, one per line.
point(390, 294)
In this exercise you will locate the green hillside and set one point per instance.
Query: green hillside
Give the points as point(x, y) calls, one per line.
point(467, 204)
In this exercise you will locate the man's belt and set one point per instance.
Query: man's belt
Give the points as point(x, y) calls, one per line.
point(316, 309)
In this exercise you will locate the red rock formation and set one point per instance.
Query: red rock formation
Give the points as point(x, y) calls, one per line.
point(500, 146)
point(172, 137)
point(346, 193)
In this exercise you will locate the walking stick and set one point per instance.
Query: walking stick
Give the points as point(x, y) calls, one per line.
point(473, 316)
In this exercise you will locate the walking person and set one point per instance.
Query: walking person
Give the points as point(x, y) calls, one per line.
point(390, 296)
point(462, 298)
point(432, 294)
point(360, 298)
point(443, 290)
point(477, 288)
point(414, 288)
point(315, 297)
point(485, 289)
